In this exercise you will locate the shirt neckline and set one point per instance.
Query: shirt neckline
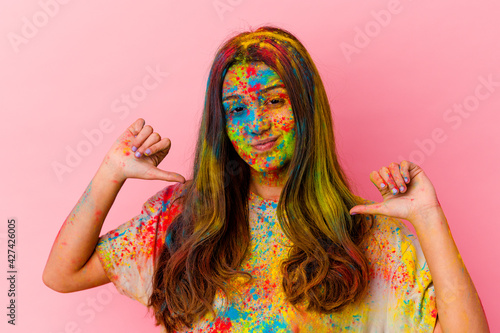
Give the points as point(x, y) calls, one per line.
point(254, 196)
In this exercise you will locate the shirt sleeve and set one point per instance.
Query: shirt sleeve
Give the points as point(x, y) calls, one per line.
point(412, 300)
point(126, 253)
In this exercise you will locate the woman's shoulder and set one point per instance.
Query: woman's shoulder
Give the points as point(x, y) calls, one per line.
point(169, 194)
point(386, 226)
point(161, 207)
point(388, 238)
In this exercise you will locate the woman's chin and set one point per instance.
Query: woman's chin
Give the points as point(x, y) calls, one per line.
point(267, 167)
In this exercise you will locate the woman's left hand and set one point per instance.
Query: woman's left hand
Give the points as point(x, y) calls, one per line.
point(407, 192)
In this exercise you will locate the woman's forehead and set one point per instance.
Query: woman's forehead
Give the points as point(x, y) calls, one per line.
point(249, 76)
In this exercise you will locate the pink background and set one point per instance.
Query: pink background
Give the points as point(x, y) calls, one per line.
point(389, 96)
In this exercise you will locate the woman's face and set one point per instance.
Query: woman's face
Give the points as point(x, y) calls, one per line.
point(258, 110)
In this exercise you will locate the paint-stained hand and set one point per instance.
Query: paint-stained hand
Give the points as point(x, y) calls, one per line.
point(137, 153)
point(407, 192)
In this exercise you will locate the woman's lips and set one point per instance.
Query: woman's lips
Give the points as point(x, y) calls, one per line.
point(266, 144)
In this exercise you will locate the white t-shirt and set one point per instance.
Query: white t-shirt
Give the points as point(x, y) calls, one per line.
point(400, 298)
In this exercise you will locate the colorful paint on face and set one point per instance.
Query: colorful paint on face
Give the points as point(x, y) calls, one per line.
point(257, 107)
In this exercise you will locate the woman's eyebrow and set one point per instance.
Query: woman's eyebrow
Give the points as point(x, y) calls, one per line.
point(276, 86)
point(235, 96)
point(261, 91)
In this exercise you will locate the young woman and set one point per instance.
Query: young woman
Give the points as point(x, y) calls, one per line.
point(267, 236)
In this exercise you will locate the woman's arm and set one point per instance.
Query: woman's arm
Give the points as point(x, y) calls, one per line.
point(408, 194)
point(73, 264)
point(458, 304)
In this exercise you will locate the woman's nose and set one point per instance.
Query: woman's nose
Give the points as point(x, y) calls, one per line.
point(258, 121)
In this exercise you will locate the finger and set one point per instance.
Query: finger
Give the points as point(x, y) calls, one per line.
point(159, 174)
point(145, 132)
point(161, 146)
point(136, 126)
point(386, 176)
point(373, 209)
point(378, 181)
point(405, 170)
point(395, 170)
point(151, 140)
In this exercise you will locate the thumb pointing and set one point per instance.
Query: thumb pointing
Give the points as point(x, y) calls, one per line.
point(156, 173)
point(373, 209)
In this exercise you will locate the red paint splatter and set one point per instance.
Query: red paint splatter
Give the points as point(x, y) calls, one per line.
point(256, 87)
point(251, 71)
point(221, 326)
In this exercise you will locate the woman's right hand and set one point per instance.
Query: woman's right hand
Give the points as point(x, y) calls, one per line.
point(150, 150)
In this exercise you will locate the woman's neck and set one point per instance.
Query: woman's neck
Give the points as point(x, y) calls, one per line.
point(268, 184)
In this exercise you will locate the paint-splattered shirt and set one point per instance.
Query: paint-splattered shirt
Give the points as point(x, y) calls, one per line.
point(400, 298)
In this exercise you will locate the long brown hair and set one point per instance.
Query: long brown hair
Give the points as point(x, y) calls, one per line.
point(207, 242)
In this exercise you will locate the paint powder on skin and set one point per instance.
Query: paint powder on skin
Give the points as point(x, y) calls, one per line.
point(254, 113)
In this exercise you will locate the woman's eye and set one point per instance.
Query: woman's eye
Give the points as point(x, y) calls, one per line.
point(237, 109)
point(276, 101)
